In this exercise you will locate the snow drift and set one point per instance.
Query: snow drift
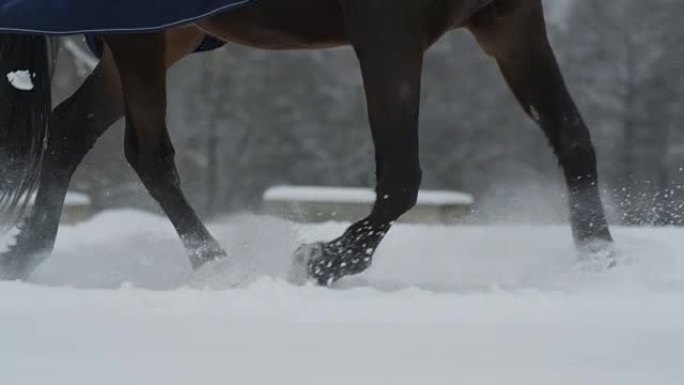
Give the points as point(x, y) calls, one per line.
point(117, 303)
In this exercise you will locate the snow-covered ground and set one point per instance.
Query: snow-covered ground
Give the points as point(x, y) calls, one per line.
point(118, 304)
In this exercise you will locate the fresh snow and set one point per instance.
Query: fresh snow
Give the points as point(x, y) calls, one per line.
point(358, 195)
point(118, 304)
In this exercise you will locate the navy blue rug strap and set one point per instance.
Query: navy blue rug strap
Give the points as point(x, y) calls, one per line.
point(209, 43)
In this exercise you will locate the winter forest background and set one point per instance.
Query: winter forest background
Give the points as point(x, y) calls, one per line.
point(243, 119)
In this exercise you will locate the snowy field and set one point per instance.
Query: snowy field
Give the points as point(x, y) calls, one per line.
point(118, 304)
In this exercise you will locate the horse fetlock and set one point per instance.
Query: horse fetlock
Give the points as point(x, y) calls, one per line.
point(404, 179)
point(393, 202)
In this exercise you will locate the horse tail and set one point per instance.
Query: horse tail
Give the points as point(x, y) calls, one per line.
point(25, 105)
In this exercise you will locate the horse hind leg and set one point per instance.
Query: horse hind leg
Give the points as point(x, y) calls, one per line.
point(391, 58)
point(513, 32)
point(148, 148)
point(74, 125)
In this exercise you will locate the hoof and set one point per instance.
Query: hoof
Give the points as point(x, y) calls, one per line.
point(325, 263)
point(299, 271)
point(597, 256)
point(223, 274)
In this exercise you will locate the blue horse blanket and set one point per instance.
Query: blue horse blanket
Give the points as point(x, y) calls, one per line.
point(71, 17)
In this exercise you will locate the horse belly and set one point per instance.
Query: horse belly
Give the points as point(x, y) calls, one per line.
point(304, 24)
point(294, 24)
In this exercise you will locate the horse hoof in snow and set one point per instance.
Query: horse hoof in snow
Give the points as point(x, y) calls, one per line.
point(222, 274)
point(299, 271)
point(597, 256)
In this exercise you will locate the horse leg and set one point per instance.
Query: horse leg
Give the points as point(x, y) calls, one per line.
point(148, 148)
point(74, 125)
point(391, 55)
point(514, 33)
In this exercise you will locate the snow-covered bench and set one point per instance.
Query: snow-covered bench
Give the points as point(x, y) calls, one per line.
point(320, 204)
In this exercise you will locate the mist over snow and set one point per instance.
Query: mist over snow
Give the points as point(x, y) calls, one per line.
point(117, 303)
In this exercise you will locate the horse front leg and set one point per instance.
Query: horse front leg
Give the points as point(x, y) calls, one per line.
point(148, 149)
point(391, 55)
point(514, 33)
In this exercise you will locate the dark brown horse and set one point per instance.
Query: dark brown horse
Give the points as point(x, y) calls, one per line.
point(389, 38)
